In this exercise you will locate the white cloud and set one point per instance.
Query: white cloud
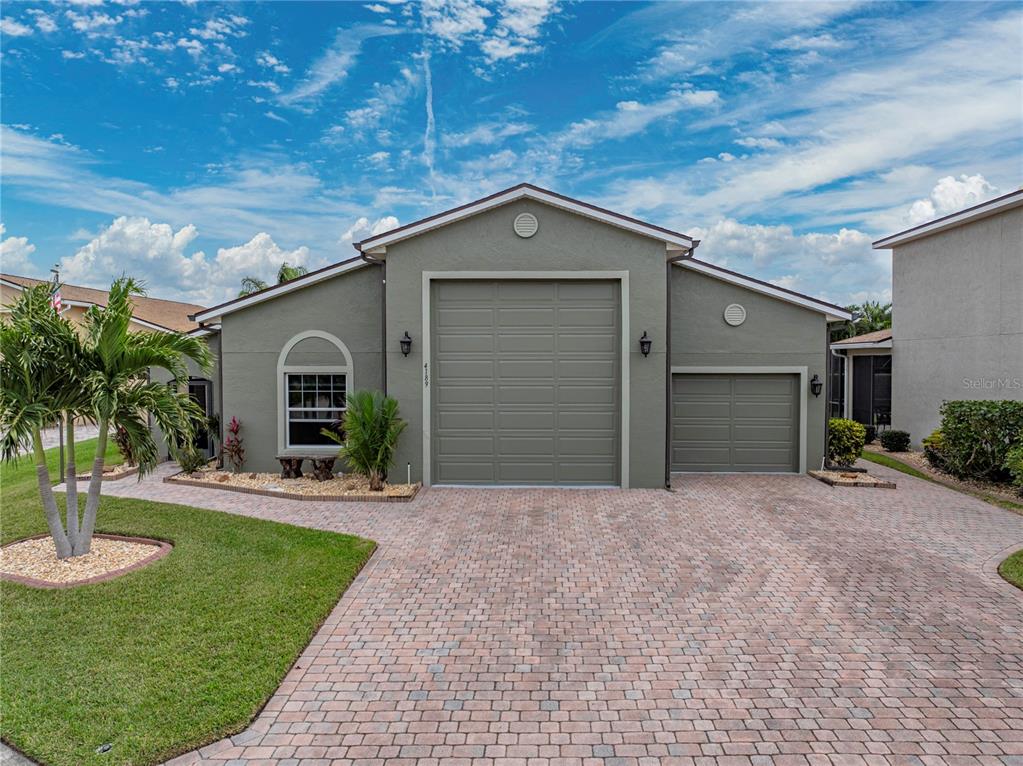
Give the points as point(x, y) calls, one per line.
point(172, 82)
point(160, 257)
point(454, 20)
point(377, 8)
point(518, 28)
point(752, 142)
point(362, 228)
point(12, 28)
point(194, 48)
point(386, 99)
point(92, 23)
point(276, 117)
point(632, 117)
point(220, 28)
point(268, 60)
point(835, 266)
point(818, 42)
point(44, 22)
point(68, 55)
point(14, 254)
point(225, 68)
point(486, 134)
point(333, 65)
point(949, 196)
point(379, 159)
point(270, 85)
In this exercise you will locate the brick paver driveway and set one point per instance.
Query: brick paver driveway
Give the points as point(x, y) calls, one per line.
point(757, 619)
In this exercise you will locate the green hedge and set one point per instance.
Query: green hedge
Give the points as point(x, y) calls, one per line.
point(1014, 465)
point(895, 441)
point(845, 440)
point(976, 437)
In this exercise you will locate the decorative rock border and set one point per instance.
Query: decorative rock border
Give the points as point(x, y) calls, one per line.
point(162, 549)
point(836, 479)
point(113, 476)
point(179, 478)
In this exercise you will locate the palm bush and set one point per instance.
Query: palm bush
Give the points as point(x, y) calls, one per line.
point(371, 429)
point(48, 370)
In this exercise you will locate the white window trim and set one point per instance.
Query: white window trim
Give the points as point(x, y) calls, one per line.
point(753, 370)
point(622, 277)
point(284, 369)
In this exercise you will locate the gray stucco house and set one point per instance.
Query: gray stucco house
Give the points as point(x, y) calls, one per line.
point(957, 317)
point(552, 343)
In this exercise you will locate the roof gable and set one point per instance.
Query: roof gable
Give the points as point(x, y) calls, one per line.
point(378, 244)
point(975, 213)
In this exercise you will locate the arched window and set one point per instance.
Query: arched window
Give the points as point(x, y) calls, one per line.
point(314, 376)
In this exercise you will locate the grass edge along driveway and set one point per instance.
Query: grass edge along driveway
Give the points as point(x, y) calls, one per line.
point(171, 657)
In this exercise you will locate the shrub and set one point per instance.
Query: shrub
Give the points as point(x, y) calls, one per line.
point(190, 459)
point(233, 450)
point(871, 434)
point(845, 440)
point(895, 440)
point(1014, 465)
point(934, 450)
point(371, 430)
point(977, 437)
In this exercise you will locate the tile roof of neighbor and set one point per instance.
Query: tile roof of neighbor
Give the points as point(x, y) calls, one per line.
point(878, 336)
point(171, 315)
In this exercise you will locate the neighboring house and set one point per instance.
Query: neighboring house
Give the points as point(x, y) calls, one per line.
point(861, 382)
point(957, 292)
point(549, 342)
point(148, 315)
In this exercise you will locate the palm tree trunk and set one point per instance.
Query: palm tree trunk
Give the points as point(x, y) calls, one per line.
point(71, 483)
point(84, 543)
point(60, 539)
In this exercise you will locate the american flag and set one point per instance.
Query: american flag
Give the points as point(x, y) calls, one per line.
point(56, 302)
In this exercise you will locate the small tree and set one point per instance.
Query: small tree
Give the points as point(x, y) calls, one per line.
point(47, 370)
point(371, 430)
point(285, 273)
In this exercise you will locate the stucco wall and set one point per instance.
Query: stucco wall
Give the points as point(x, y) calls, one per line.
point(213, 342)
point(346, 306)
point(957, 320)
point(564, 242)
point(775, 334)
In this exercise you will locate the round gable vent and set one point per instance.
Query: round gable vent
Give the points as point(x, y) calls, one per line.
point(735, 314)
point(525, 225)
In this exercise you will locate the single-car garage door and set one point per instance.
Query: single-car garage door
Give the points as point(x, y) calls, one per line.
point(734, 422)
point(525, 382)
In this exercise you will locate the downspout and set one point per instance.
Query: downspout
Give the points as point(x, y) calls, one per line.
point(383, 310)
point(667, 362)
point(219, 397)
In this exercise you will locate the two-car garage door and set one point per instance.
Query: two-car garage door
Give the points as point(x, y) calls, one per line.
point(525, 383)
point(735, 422)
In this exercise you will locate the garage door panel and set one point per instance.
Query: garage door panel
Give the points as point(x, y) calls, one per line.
point(735, 422)
point(461, 420)
point(710, 410)
point(520, 343)
point(576, 420)
point(526, 368)
point(541, 382)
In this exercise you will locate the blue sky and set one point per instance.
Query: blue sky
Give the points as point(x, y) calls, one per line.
point(193, 144)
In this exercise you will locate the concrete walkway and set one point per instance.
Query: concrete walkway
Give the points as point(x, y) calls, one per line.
point(738, 620)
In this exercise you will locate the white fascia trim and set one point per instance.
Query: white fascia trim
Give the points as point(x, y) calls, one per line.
point(14, 285)
point(216, 312)
point(801, 371)
point(842, 346)
point(830, 312)
point(202, 332)
point(378, 245)
point(956, 219)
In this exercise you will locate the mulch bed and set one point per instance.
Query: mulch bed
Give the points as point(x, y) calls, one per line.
point(342, 488)
point(33, 560)
point(851, 479)
point(918, 461)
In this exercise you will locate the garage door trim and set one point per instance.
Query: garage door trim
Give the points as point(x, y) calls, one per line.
point(622, 277)
point(765, 370)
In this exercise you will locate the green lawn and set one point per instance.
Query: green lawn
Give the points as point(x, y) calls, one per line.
point(898, 465)
point(1012, 569)
point(173, 656)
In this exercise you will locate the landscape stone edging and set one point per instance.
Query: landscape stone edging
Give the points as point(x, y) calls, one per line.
point(163, 547)
point(110, 477)
point(875, 482)
point(178, 479)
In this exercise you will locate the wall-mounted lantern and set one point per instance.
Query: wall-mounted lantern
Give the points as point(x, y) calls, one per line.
point(816, 385)
point(644, 344)
point(406, 344)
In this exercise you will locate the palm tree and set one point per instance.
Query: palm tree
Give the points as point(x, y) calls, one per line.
point(285, 273)
point(371, 428)
point(46, 369)
point(870, 317)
